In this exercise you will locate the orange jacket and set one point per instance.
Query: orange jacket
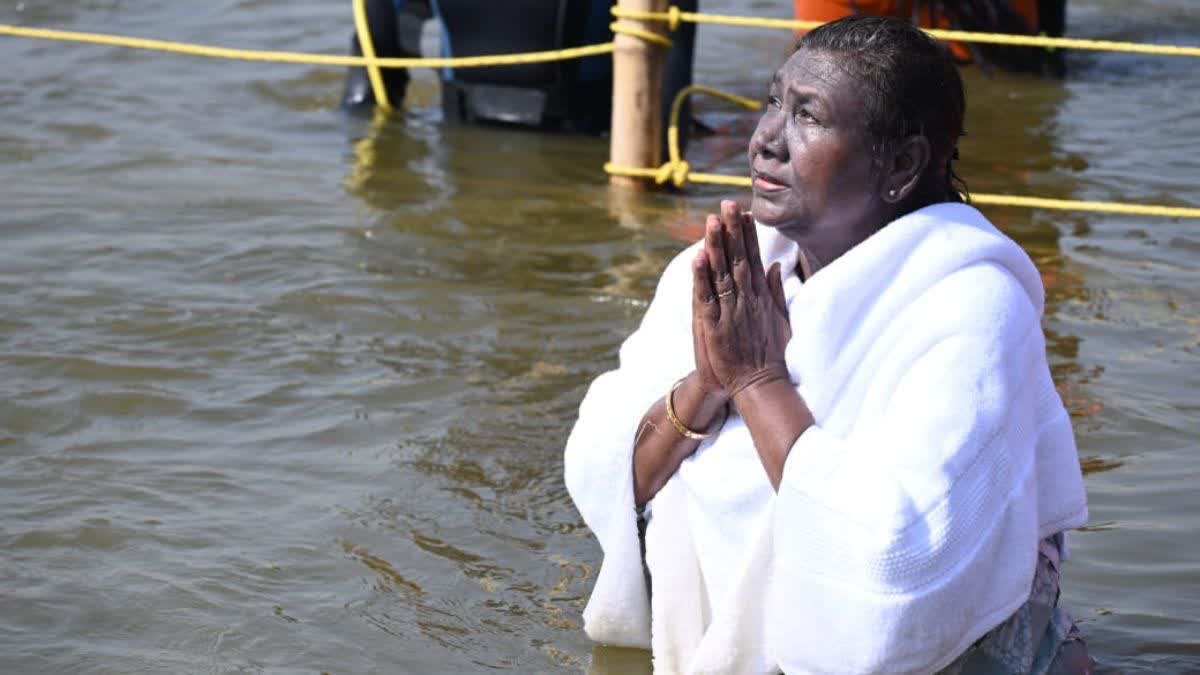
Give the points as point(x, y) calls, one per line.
point(829, 10)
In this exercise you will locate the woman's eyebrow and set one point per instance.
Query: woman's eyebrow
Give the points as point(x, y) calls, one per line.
point(805, 94)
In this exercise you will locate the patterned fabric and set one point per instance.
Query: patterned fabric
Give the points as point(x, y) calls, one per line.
point(1040, 638)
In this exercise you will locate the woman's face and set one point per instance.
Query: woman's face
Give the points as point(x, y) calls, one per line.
point(810, 158)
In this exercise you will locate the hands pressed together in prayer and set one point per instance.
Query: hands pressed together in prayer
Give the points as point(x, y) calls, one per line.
point(740, 322)
point(740, 329)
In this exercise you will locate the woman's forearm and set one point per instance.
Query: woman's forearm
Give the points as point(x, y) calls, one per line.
point(658, 448)
point(776, 416)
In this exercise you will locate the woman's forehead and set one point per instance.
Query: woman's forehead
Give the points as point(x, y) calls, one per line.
point(819, 69)
point(822, 76)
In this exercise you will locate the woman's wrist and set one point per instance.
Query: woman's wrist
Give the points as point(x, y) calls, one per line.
point(683, 429)
point(707, 399)
point(768, 378)
point(767, 386)
point(659, 448)
point(775, 415)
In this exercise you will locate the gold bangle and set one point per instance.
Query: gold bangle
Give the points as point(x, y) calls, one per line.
point(684, 431)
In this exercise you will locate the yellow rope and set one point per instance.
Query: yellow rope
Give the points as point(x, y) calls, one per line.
point(1073, 205)
point(673, 17)
point(655, 38)
point(676, 169)
point(366, 42)
point(206, 51)
point(712, 178)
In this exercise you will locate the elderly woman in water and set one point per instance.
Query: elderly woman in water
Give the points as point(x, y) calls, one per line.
point(833, 444)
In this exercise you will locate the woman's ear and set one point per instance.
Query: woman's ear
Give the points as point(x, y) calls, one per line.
point(907, 165)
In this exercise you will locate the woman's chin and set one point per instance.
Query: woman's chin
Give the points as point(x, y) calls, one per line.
point(767, 213)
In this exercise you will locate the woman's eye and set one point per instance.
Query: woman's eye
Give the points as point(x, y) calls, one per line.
point(804, 114)
point(774, 102)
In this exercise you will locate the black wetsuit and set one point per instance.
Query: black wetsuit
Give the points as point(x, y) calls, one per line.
point(571, 95)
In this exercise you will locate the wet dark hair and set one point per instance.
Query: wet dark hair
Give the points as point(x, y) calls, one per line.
point(912, 86)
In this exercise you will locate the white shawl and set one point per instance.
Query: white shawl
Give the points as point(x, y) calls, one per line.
point(907, 521)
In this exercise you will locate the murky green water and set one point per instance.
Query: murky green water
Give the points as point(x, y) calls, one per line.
point(282, 390)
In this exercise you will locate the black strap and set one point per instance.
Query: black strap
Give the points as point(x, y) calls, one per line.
point(642, 522)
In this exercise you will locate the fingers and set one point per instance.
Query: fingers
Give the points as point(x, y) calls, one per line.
point(754, 255)
point(704, 296)
point(735, 246)
point(703, 306)
point(714, 248)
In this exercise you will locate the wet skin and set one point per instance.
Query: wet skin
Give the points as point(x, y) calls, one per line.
point(816, 176)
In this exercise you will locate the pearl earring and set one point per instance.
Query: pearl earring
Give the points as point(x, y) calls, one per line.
point(891, 193)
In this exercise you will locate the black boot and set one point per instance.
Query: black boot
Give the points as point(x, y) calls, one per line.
point(357, 94)
point(1052, 15)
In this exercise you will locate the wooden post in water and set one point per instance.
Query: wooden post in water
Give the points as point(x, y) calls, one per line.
point(636, 139)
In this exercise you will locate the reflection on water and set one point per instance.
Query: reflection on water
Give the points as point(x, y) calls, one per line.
point(287, 390)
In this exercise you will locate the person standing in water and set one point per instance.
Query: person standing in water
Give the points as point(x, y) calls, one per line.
point(836, 425)
point(573, 95)
point(1016, 17)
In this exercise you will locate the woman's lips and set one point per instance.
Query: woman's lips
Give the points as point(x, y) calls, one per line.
point(763, 183)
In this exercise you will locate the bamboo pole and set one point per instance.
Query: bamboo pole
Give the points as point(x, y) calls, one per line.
point(637, 132)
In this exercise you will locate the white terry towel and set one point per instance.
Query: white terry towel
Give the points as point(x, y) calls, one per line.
point(907, 521)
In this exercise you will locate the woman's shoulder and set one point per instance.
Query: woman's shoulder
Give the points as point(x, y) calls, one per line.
point(985, 297)
point(969, 272)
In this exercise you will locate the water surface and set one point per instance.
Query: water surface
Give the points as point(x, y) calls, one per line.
point(283, 390)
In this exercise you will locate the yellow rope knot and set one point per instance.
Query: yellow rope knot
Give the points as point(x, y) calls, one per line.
point(673, 16)
point(676, 171)
point(653, 38)
point(648, 36)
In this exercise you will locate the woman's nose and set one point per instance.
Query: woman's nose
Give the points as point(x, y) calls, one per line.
point(768, 139)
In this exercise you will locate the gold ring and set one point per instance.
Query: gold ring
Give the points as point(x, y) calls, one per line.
point(729, 292)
